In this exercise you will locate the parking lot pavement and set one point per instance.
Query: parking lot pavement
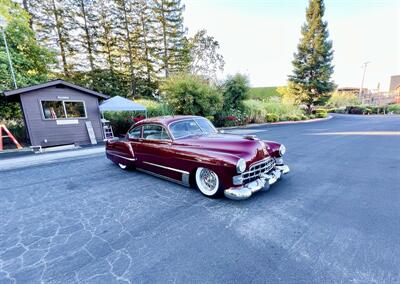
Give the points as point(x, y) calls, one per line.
point(334, 218)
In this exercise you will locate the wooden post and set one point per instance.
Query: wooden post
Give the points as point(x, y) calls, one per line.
point(8, 134)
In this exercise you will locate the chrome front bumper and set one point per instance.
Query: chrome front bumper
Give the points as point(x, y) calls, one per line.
point(263, 183)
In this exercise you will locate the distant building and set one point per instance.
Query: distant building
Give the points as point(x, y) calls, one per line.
point(395, 84)
point(352, 90)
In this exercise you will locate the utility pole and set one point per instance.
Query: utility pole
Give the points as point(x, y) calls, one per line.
point(365, 64)
point(3, 24)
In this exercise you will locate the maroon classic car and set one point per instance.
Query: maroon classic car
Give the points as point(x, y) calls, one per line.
point(190, 151)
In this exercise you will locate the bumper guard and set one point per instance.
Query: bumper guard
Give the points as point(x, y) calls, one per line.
point(263, 183)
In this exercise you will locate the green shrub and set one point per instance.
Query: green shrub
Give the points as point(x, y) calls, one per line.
point(343, 99)
point(311, 116)
point(283, 118)
point(263, 93)
point(293, 117)
point(303, 117)
point(356, 110)
point(188, 94)
point(271, 117)
point(120, 121)
point(210, 118)
point(320, 113)
point(394, 109)
point(235, 90)
point(230, 118)
point(155, 108)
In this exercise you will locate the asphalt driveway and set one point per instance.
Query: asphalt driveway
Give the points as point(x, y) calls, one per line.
point(334, 218)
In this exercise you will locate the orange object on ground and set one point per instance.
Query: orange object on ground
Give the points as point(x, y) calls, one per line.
point(9, 135)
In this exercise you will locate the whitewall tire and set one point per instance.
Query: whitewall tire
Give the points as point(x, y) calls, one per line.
point(208, 182)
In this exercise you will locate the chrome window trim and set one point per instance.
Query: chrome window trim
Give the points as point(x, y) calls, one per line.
point(167, 168)
point(141, 132)
point(185, 119)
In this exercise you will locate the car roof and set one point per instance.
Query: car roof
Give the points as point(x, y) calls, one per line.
point(165, 120)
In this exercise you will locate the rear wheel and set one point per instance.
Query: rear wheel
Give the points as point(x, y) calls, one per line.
point(208, 182)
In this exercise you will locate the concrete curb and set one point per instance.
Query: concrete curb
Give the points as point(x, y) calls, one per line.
point(278, 123)
point(47, 158)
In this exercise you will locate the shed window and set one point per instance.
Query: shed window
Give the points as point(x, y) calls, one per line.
point(53, 109)
point(63, 109)
point(75, 109)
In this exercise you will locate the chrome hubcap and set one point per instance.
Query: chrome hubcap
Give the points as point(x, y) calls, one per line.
point(208, 179)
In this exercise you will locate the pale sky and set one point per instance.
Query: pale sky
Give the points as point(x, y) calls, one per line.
point(259, 37)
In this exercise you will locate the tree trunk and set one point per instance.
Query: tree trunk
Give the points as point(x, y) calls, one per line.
point(128, 39)
point(164, 28)
point(87, 36)
point(25, 4)
point(58, 27)
point(146, 49)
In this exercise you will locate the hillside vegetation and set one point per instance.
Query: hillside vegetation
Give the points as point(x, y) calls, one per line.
point(263, 93)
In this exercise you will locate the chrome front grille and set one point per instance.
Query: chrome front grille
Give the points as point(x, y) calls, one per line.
point(257, 169)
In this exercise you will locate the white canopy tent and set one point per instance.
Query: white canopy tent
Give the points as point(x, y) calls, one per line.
point(118, 103)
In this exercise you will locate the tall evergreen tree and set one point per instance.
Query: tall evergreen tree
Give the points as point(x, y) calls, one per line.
point(53, 25)
point(311, 81)
point(86, 19)
point(146, 45)
point(124, 25)
point(106, 37)
point(173, 52)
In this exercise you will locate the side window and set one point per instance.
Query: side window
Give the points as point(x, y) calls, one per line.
point(53, 109)
point(135, 132)
point(155, 132)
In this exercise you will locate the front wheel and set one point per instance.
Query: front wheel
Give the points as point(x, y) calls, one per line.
point(208, 182)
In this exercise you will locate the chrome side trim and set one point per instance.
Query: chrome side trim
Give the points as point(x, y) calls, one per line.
point(167, 168)
point(164, 177)
point(126, 158)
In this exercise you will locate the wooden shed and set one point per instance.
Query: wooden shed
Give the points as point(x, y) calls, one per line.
point(59, 113)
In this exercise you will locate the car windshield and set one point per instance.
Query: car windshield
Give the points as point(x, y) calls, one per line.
point(187, 127)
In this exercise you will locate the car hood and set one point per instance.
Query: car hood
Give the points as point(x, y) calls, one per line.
point(246, 147)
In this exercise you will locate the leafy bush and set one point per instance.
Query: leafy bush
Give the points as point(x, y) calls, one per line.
point(270, 117)
point(311, 116)
point(188, 94)
point(235, 90)
point(155, 108)
point(121, 121)
point(355, 109)
point(343, 99)
point(394, 109)
point(263, 93)
point(230, 118)
point(210, 118)
point(320, 113)
point(293, 117)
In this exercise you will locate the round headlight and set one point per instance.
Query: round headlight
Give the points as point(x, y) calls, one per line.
point(282, 150)
point(241, 166)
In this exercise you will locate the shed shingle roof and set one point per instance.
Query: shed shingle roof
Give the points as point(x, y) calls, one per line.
point(21, 91)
